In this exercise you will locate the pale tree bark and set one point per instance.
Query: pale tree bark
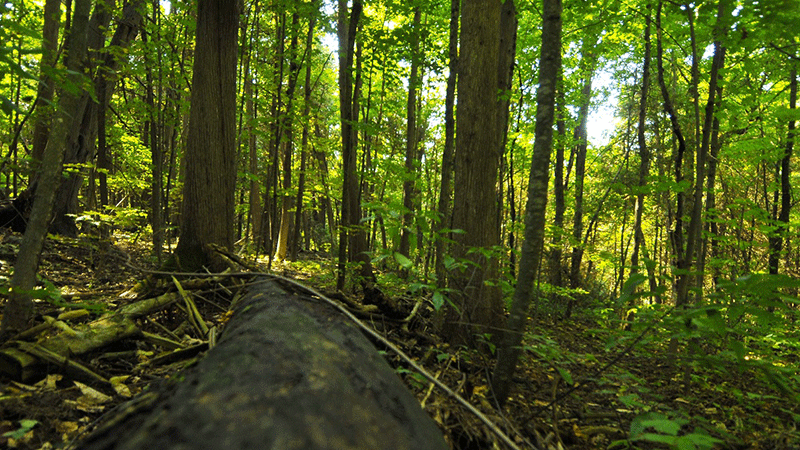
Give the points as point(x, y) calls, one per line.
point(532, 246)
point(210, 160)
point(19, 309)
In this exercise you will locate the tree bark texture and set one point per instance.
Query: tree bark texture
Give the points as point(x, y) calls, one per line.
point(352, 237)
point(19, 309)
point(287, 144)
point(533, 244)
point(784, 171)
point(79, 147)
point(477, 159)
point(46, 89)
point(288, 373)
point(209, 182)
point(696, 221)
point(411, 137)
point(445, 195)
point(82, 138)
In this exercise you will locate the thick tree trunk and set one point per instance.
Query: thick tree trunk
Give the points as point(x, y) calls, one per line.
point(83, 137)
point(210, 181)
point(479, 304)
point(304, 379)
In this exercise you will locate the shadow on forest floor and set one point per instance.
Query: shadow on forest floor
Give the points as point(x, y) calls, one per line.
point(559, 400)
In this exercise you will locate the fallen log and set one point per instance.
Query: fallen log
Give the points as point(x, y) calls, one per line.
point(288, 373)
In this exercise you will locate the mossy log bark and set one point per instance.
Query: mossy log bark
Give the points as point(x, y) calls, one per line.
point(288, 373)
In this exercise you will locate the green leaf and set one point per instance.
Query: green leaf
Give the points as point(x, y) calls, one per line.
point(449, 262)
point(25, 426)
point(565, 375)
point(437, 300)
point(403, 260)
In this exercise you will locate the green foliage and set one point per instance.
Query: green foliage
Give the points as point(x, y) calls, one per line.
point(655, 427)
point(52, 295)
point(25, 426)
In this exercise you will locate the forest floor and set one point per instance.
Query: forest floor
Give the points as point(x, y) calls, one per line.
point(582, 384)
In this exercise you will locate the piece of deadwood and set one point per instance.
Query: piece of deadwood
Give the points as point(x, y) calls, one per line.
point(288, 373)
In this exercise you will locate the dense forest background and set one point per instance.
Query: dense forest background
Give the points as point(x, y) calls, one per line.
point(418, 146)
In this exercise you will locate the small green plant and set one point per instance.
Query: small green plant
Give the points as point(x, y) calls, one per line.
point(25, 426)
point(666, 429)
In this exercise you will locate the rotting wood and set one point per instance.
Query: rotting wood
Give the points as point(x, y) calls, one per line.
point(22, 363)
point(289, 372)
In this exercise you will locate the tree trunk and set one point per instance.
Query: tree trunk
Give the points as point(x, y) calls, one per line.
point(782, 222)
point(156, 153)
point(411, 137)
point(581, 144)
point(535, 212)
point(46, 89)
point(695, 223)
point(478, 149)
point(559, 204)
point(19, 309)
point(301, 182)
point(644, 152)
point(210, 181)
point(250, 95)
point(443, 207)
point(83, 136)
point(287, 143)
point(677, 237)
point(352, 237)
